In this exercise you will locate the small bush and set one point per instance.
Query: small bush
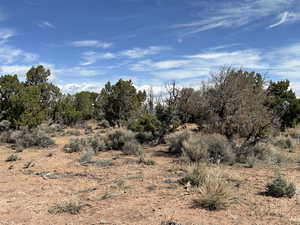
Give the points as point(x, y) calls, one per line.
point(175, 141)
point(87, 156)
point(214, 193)
point(72, 133)
point(284, 143)
point(4, 125)
point(279, 187)
point(104, 124)
point(133, 148)
point(148, 162)
point(169, 222)
point(12, 158)
point(32, 138)
point(195, 176)
point(145, 137)
point(75, 145)
point(81, 144)
point(73, 207)
point(212, 148)
point(117, 138)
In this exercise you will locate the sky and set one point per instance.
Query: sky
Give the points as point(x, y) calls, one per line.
point(86, 43)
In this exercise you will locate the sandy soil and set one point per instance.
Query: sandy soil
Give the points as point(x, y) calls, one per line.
point(128, 192)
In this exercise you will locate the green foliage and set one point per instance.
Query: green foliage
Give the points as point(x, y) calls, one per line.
point(121, 102)
point(284, 101)
point(10, 86)
point(37, 75)
point(279, 187)
point(64, 111)
point(85, 103)
point(145, 123)
point(26, 109)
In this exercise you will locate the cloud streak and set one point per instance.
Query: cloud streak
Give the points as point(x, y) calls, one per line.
point(46, 24)
point(237, 14)
point(92, 43)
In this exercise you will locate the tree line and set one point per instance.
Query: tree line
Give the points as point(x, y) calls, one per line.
point(233, 103)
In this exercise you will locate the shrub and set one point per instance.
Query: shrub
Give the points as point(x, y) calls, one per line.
point(72, 206)
point(146, 123)
point(213, 148)
point(175, 141)
point(132, 148)
point(75, 145)
point(195, 176)
point(279, 187)
point(96, 143)
point(87, 156)
point(214, 193)
point(12, 158)
point(32, 138)
point(284, 143)
point(169, 222)
point(72, 133)
point(117, 138)
point(145, 137)
point(4, 125)
point(104, 124)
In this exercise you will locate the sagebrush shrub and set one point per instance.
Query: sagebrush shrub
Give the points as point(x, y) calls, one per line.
point(195, 176)
point(214, 193)
point(133, 148)
point(31, 138)
point(117, 138)
point(213, 148)
point(175, 141)
point(280, 187)
point(72, 206)
point(4, 125)
point(12, 158)
point(284, 143)
point(96, 143)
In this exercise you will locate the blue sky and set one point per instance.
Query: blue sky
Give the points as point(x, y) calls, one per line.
point(86, 43)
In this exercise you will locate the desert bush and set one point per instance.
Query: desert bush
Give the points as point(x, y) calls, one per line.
point(72, 133)
point(117, 138)
point(75, 145)
point(195, 176)
point(213, 148)
point(145, 137)
point(133, 148)
point(96, 143)
point(214, 193)
point(87, 156)
point(31, 138)
point(148, 162)
point(12, 158)
point(175, 141)
point(72, 206)
point(284, 143)
point(169, 222)
point(4, 125)
point(280, 187)
point(104, 124)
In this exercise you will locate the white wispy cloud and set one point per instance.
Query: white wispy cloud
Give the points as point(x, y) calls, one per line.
point(5, 34)
point(92, 43)
point(46, 24)
point(235, 14)
point(92, 57)
point(286, 17)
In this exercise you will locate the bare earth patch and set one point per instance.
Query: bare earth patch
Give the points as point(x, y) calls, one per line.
point(128, 192)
